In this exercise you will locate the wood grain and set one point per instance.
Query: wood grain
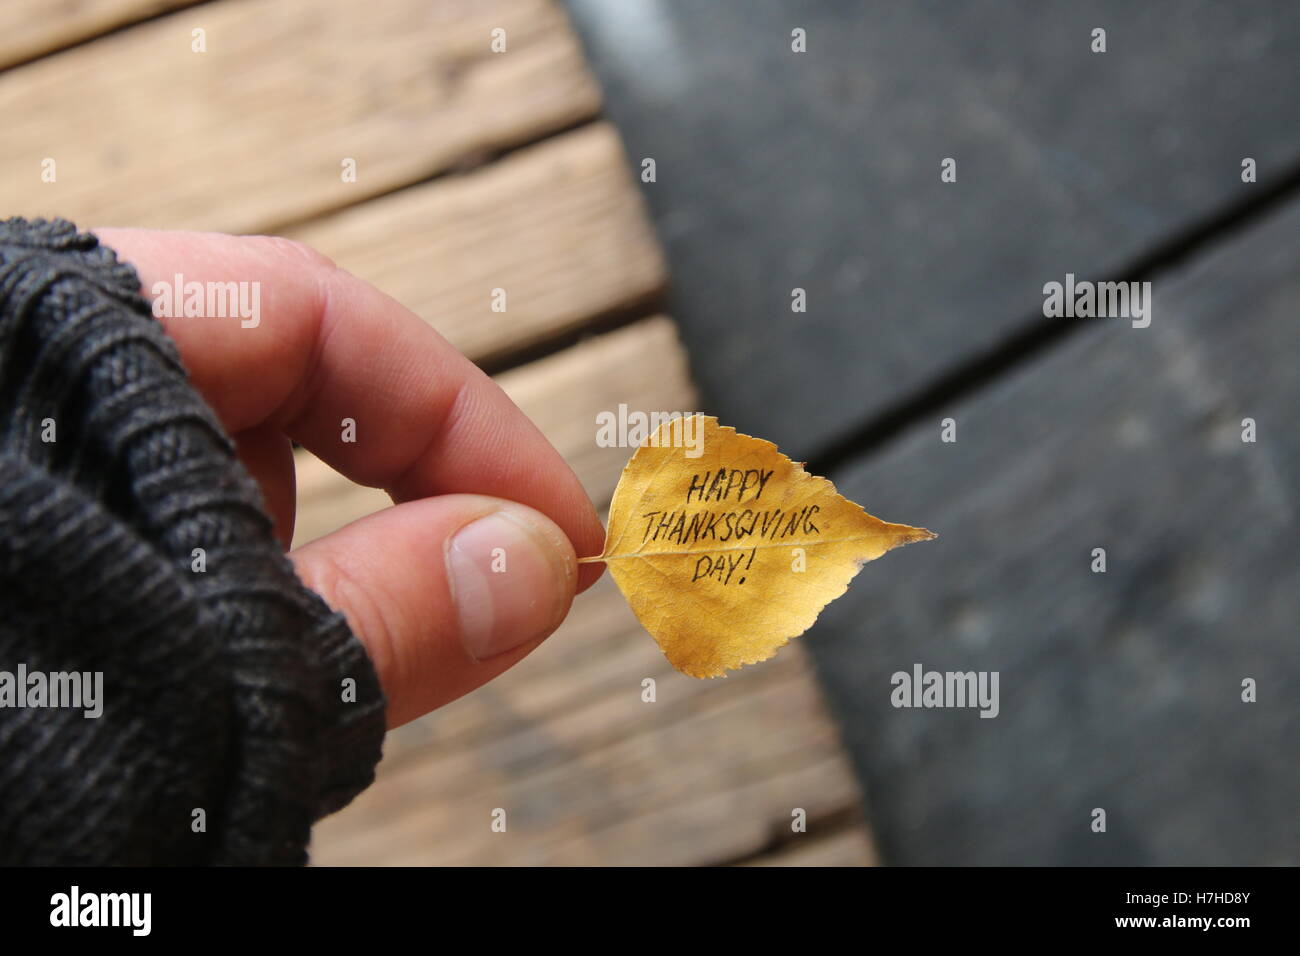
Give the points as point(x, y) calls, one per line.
point(588, 772)
point(559, 227)
point(251, 135)
point(848, 847)
point(32, 28)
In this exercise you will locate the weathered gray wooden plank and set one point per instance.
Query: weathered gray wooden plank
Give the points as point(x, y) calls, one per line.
point(821, 170)
point(1118, 690)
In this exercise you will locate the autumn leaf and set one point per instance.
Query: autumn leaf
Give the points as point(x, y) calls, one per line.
point(726, 549)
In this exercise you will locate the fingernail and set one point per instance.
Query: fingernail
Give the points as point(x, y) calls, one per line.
point(511, 578)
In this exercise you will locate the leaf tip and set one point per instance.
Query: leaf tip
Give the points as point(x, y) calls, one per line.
point(909, 535)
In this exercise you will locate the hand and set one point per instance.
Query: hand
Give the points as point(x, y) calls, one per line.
point(470, 472)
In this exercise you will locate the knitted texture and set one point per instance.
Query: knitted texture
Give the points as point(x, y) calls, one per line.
point(223, 689)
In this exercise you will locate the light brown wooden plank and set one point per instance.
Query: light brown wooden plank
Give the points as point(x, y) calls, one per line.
point(598, 774)
point(642, 365)
point(707, 772)
point(327, 501)
point(250, 135)
point(32, 28)
point(715, 827)
point(559, 227)
point(851, 846)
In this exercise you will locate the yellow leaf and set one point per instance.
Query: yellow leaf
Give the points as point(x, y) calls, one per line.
point(727, 549)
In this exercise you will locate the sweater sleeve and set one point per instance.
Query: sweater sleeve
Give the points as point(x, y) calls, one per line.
point(170, 693)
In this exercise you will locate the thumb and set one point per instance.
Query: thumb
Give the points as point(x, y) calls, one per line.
point(445, 593)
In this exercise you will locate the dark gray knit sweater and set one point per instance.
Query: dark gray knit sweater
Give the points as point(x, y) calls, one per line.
point(224, 731)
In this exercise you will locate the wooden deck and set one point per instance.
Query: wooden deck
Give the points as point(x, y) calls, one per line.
point(475, 170)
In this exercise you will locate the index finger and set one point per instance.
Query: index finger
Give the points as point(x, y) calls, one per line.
point(315, 347)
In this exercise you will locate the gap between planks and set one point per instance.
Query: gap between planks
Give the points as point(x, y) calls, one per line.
point(30, 29)
point(559, 227)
